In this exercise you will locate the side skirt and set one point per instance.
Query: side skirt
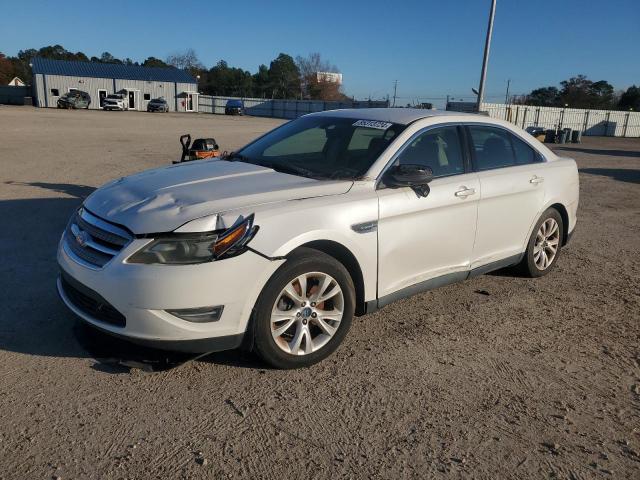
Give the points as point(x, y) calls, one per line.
point(493, 266)
point(441, 281)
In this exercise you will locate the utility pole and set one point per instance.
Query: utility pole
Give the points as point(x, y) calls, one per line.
point(395, 90)
point(485, 59)
point(506, 97)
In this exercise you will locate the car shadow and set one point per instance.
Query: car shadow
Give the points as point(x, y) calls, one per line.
point(34, 321)
point(629, 175)
point(598, 151)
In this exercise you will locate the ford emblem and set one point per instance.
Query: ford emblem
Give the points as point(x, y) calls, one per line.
point(82, 238)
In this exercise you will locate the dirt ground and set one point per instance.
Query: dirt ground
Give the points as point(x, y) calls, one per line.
point(497, 377)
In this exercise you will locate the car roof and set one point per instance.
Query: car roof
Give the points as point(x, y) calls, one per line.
point(403, 116)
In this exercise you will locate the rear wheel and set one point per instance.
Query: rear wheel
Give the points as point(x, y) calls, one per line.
point(544, 245)
point(304, 311)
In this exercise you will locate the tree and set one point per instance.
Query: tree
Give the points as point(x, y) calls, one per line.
point(544, 97)
point(580, 92)
point(226, 81)
point(576, 92)
point(313, 86)
point(261, 82)
point(187, 60)
point(58, 52)
point(106, 57)
point(630, 100)
point(284, 77)
point(602, 95)
point(154, 62)
point(6, 70)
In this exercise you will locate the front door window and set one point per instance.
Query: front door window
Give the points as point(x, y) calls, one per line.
point(438, 149)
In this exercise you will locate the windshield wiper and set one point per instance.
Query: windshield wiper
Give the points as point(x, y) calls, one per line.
point(292, 169)
point(236, 157)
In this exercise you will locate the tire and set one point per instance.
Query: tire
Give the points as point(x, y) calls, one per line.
point(541, 244)
point(313, 331)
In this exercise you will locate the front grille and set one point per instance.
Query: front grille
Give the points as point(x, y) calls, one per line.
point(89, 302)
point(93, 240)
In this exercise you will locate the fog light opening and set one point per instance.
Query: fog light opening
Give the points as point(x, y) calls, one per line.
point(198, 315)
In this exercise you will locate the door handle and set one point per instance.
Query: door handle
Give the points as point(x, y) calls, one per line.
point(465, 192)
point(536, 179)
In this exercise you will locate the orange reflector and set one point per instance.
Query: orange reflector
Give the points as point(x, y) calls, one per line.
point(228, 240)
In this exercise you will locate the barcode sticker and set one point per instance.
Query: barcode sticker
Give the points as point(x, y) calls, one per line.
point(372, 124)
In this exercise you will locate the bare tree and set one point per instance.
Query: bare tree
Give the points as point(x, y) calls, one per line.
point(187, 60)
point(310, 85)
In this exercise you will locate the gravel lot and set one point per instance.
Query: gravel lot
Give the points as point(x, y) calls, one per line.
point(498, 377)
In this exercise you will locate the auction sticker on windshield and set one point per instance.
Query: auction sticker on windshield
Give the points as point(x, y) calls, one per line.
point(372, 124)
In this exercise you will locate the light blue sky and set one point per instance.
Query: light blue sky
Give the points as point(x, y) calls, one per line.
point(433, 48)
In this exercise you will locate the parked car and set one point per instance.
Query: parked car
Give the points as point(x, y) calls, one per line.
point(74, 99)
point(115, 101)
point(234, 107)
point(332, 215)
point(158, 105)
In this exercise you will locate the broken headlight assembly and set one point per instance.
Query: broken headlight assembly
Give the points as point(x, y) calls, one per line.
point(190, 249)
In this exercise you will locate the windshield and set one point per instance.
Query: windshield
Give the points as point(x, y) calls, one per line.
point(118, 97)
point(321, 147)
point(157, 100)
point(234, 103)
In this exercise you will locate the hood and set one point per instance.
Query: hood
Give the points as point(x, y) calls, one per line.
point(164, 199)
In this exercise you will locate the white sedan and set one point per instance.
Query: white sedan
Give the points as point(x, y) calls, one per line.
point(278, 245)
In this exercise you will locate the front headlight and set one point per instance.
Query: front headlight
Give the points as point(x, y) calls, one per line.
point(189, 249)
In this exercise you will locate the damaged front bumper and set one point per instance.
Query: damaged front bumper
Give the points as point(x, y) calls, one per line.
point(132, 301)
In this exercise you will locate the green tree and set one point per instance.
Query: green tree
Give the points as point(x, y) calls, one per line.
point(226, 81)
point(261, 82)
point(284, 77)
point(154, 62)
point(630, 99)
point(544, 97)
point(580, 92)
point(106, 57)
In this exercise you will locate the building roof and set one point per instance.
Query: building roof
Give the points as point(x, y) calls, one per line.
point(109, 70)
point(402, 116)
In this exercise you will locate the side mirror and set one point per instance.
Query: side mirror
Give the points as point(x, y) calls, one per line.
point(415, 176)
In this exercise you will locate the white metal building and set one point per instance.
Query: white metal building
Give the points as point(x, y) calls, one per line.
point(53, 78)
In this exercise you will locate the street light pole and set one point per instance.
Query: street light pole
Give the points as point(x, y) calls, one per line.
point(485, 60)
point(506, 97)
point(395, 90)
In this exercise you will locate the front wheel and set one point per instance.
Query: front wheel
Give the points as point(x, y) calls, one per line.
point(544, 245)
point(304, 311)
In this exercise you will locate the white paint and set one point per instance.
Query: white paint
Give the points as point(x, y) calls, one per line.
point(418, 238)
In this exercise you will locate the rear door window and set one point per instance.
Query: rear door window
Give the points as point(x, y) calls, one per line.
point(525, 154)
point(492, 147)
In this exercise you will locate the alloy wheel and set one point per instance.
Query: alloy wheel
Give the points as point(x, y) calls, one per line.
point(307, 313)
point(546, 244)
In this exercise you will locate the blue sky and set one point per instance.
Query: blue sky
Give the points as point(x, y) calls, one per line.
point(433, 48)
